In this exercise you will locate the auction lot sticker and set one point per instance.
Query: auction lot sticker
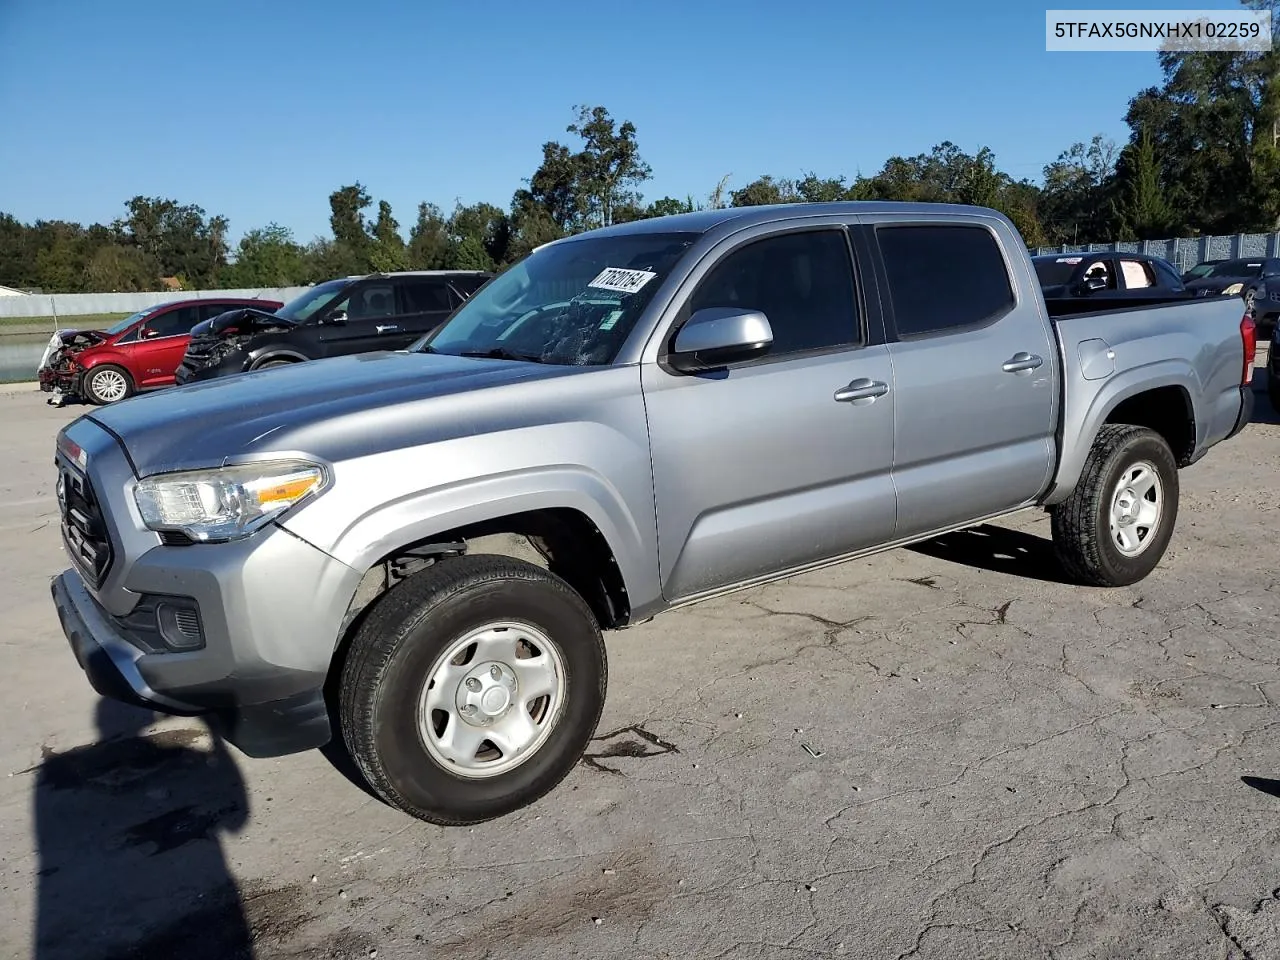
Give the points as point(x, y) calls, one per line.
point(621, 280)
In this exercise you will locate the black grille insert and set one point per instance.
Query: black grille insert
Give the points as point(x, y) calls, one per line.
point(84, 530)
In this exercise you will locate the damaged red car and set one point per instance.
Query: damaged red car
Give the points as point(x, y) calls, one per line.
point(140, 352)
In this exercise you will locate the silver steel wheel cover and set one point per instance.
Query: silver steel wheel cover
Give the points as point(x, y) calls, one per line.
point(109, 385)
point(491, 699)
point(1137, 506)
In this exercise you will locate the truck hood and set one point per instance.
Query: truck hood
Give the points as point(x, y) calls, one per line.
point(334, 409)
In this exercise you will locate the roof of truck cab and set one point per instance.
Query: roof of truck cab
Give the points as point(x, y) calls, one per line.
point(702, 221)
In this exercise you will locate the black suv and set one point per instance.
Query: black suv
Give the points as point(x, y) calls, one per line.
point(381, 311)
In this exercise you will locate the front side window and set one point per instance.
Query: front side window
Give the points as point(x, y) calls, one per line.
point(306, 304)
point(571, 303)
point(172, 323)
point(944, 276)
point(801, 282)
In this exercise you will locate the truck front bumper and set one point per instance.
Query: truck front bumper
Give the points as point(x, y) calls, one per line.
point(245, 711)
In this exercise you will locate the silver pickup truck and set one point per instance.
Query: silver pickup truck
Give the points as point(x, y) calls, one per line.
point(413, 554)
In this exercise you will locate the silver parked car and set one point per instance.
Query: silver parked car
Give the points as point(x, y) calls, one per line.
point(418, 550)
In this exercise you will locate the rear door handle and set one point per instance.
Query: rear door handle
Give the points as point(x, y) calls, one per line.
point(384, 327)
point(861, 391)
point(1021, 363)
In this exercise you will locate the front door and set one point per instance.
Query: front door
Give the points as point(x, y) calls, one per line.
point(364, 320)
point(162, 343)
point(770, 464)
point(975, 375)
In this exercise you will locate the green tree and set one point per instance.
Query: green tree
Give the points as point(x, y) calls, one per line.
point(1144, 211)
point(763, 191)
point(429, 239)
point(181, 238)
point(266, 257)
point(609, 167)
point(388, 252)
point(487, 232)
point(1077, 195)
point(116, 268)
point(354, 245)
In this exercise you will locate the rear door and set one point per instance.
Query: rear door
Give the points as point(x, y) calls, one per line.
point(780, 461)
point(974, 372)
point(162, 342)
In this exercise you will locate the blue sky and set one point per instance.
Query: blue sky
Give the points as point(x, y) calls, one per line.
point(258, 109)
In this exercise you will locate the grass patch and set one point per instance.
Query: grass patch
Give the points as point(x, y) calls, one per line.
point(85, 322)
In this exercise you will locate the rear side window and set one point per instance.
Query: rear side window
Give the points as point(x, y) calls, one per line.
point(425, 296)
point(1138, 274)
point(944, 277)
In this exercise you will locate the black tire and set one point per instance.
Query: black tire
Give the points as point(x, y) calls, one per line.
point(1081, 525)
point(395, 649)
point(274, 363)
point(1273, 392)
point(96, 384)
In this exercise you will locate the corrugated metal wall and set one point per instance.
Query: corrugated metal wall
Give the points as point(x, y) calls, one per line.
point(83, 304)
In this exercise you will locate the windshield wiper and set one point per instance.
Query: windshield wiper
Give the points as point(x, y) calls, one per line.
point(500, 353)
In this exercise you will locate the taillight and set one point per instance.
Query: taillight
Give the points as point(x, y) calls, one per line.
point(1249, 339)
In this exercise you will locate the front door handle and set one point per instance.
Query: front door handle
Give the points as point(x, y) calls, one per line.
point(384, 327)
point(1021, 363)
point(861, 391)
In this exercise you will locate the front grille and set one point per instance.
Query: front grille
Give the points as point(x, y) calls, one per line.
point(84, 530)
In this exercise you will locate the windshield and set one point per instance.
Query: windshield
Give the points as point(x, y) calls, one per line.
point(120, 326)
point(569, 303)
point(1199, 270)
point(1055, 271)
point(305, 304)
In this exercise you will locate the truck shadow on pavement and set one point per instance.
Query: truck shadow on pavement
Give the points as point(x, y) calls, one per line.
point(997, 549)
point(131, 866)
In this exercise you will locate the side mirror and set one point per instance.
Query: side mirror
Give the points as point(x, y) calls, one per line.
point(1093, 285)
point(338, 319)
point(719, 335)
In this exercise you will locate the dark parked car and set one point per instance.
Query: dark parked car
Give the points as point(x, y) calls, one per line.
point(382, 311)
point(1254, 279)
point(1127, 278)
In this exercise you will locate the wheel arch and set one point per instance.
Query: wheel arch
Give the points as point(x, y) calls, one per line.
point(1161, 397)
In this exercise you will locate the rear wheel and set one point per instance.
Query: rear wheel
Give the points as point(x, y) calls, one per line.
point(472, 689)
point(1117, 523)
point(107, 384)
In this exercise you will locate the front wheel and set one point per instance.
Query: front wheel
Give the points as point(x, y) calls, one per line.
point(1117, 523)
point(107, 384)
point(472, 689)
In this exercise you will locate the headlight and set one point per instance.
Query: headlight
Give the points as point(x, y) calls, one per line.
point(228, 503)
point(1233, 289)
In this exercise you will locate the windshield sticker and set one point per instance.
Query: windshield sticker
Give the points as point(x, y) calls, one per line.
point(610, 319)
point(622, 280)
point(1069, 259)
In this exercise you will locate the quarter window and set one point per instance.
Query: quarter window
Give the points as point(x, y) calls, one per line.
point(801, 282)
point(944, 277)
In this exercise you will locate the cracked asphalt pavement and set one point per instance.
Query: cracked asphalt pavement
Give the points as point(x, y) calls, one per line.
point(938, 752)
